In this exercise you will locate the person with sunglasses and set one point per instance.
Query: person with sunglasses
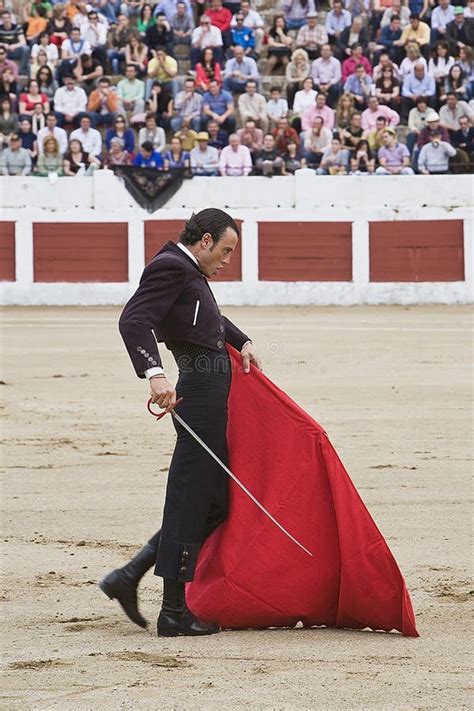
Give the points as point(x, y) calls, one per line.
point(120, 130)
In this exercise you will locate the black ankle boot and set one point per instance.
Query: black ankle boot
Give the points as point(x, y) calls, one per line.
point(175, 619)
point(121, 584)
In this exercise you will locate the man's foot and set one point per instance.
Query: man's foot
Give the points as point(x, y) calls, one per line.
point(184, 624)
point(118, 587)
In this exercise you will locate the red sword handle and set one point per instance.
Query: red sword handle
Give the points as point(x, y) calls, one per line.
point(159, 415)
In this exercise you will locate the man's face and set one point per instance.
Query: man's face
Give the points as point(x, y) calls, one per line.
point(337, 8)
point(216, 4)
point(282, 124)
point(93, 18)
point(239, 19)
point(357, 52)
point(373, 103)
point(396, 25)
point(360, 71)
point(25, 126)
point(422, 106)
point(3, 55)
point(214, 88)
point(205, 24)
point(355, 121)
point(250, 88)
point(130, 73)
point(250, 125)
point(464, 123)
point(203, 144)
point(212, 127)
point(459, 19)
point(419, 71)
point(396, 7)
point(380, 124)
point(275, 95)
point(414, 22)
point(51, 122)
point(433, 125)
point(69, 83)
point(161, 20)
point(85, 123)
point(451, 101)
point(312, 22)
point(189, 86)
point(150, 123)
point(181, 9)
point(245, 7)
point(387, 138)
point(317, 126)
point(268, 143)
point(15, 144)
point(75, 36)
point(336, 145)
point(444, 3)
point(239, 53)
point(216, 255)
point(320, 101)
point(234, 142)
point(7, 20)
point(325, 51)
point(160, 55)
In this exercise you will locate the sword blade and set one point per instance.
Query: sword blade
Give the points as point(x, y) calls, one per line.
point(238, 482)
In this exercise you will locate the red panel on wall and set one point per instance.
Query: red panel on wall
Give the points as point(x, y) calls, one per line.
point(80, 251)
point(157, 232)
point(7, 251)
point(305, 251)
point(421, 250)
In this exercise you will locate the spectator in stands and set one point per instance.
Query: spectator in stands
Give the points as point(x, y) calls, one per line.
point(146, 19)
point(220, 17)
point(238, 71)
point(357, 34)
point(103, 104)
point(434, 156)
point(204, 158)
point(207, 70)
point(464, 138)
point(393, 156)
point(59, 25)
point(315, 142)
point(47, 84)
point(15, 160)
point(326, 74)
point(50, 48)
point(390, 39)
point(359, 87)
point(432, 126)
point(336, 21)
point(416, 32)
point(335, 159)
point(87, 71)
point(131, 92)
point(384, 63)
point(253, 105)
point(235, 159)
point(188, 107)
point(374, 137)
point(161, 104)
point(400, 10)
point(176, 156)
point(70, 102)
point(279, 45)
point(168, 7)
point(452, 111)
point(352, 134)
point(95, 33)
point(6, 63)
point(206, 35)
point(89, 137)
point(251, 136)
point(276, 106)
point(417, 121)
point(119, 38)
point(387, 89)
point(152, 133)
point(411, 60)
point(160, 34)
point(304, 98)
point(243, 36)
point(187, 137)
point(164, 69)
point(52, 129)
point(297, 70)
point(253, 21)
point(460, 31)
point(136, 52)
point(71, 50)
point(217, 137)
point(218, 105)
point(50, 159)
point(345, 109)
point(297, 12)
point(77, 161)
point(319, 109)
point(415, 85)
point(268, 161)
point(28, 138)
point(349, 66)
point(362, 161)
point(284, 134)
point(455, 83)
point(13, 40)
point(117, 155)
point(8, 86)
point(311, 36)
point(38, 118)
point(30, 98)
point(148, 157)
point(293, 158)
point(119, 130)
point(441, 16)
point(374, 110)
point(182, 25)
point(440, 63)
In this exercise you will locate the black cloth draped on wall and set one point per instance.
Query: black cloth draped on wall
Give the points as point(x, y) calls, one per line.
point(150, 187)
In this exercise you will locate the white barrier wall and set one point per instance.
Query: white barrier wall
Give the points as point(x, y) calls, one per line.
point(307, 239)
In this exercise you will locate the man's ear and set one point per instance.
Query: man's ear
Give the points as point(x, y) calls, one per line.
point(206, 240)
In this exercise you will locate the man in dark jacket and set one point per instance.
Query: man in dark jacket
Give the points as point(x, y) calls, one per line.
point(175, 304)
point(459, 32)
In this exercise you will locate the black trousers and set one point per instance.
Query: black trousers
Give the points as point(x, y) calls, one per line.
point(197, 494)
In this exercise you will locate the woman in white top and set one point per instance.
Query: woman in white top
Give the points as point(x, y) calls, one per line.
point(440, 63)
point(153, 133)
point(413, 57)
point(302, 101)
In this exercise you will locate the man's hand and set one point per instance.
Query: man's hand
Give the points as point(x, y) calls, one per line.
point(162, 393)
point(249, 355)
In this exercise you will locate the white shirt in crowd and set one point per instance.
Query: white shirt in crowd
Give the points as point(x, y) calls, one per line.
point(59, 134)
point(408, 66)
point(70, 101)
point(75, 49)
point(51, 52)
point(210, 38)
point(277, 109)
point(441, 69)
point(91, 140)
point(96, 34)
point(157, 137)
point(303, 100)
point(235, 162)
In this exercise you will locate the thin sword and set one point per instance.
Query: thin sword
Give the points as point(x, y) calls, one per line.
point(238, 482)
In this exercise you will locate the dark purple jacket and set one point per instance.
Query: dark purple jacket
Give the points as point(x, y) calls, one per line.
point(175, 303)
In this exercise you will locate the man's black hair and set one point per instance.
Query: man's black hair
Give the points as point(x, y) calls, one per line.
point(147, 146)
point(210, 220)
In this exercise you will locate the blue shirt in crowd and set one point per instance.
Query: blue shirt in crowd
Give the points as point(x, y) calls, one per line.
point(219, 103)
point(412, 86)
point(154, 161)
point(243, 37)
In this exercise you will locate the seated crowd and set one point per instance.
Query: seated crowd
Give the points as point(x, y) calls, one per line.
point(355, 87)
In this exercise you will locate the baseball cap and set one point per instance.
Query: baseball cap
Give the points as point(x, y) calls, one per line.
point(312, 13)
point(432, 117)
point(458, 10)
point(202, 136)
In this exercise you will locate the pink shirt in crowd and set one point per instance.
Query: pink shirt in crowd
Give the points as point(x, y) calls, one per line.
point(237, 162)
point(369, 117)
point(326, 113)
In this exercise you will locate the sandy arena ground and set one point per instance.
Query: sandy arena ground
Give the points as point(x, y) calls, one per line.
point(84, 475)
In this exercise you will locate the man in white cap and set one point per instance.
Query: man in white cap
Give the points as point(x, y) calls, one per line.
point(203, 157)
point(311, 36)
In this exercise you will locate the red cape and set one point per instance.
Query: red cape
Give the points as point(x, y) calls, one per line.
point(249, 573)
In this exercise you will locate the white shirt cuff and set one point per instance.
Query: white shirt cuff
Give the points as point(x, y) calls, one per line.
point(153, 371)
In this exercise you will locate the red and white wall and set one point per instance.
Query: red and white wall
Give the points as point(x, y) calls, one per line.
point(304, 240)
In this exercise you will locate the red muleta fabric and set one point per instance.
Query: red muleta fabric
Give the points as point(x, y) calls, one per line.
point(249, 573)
